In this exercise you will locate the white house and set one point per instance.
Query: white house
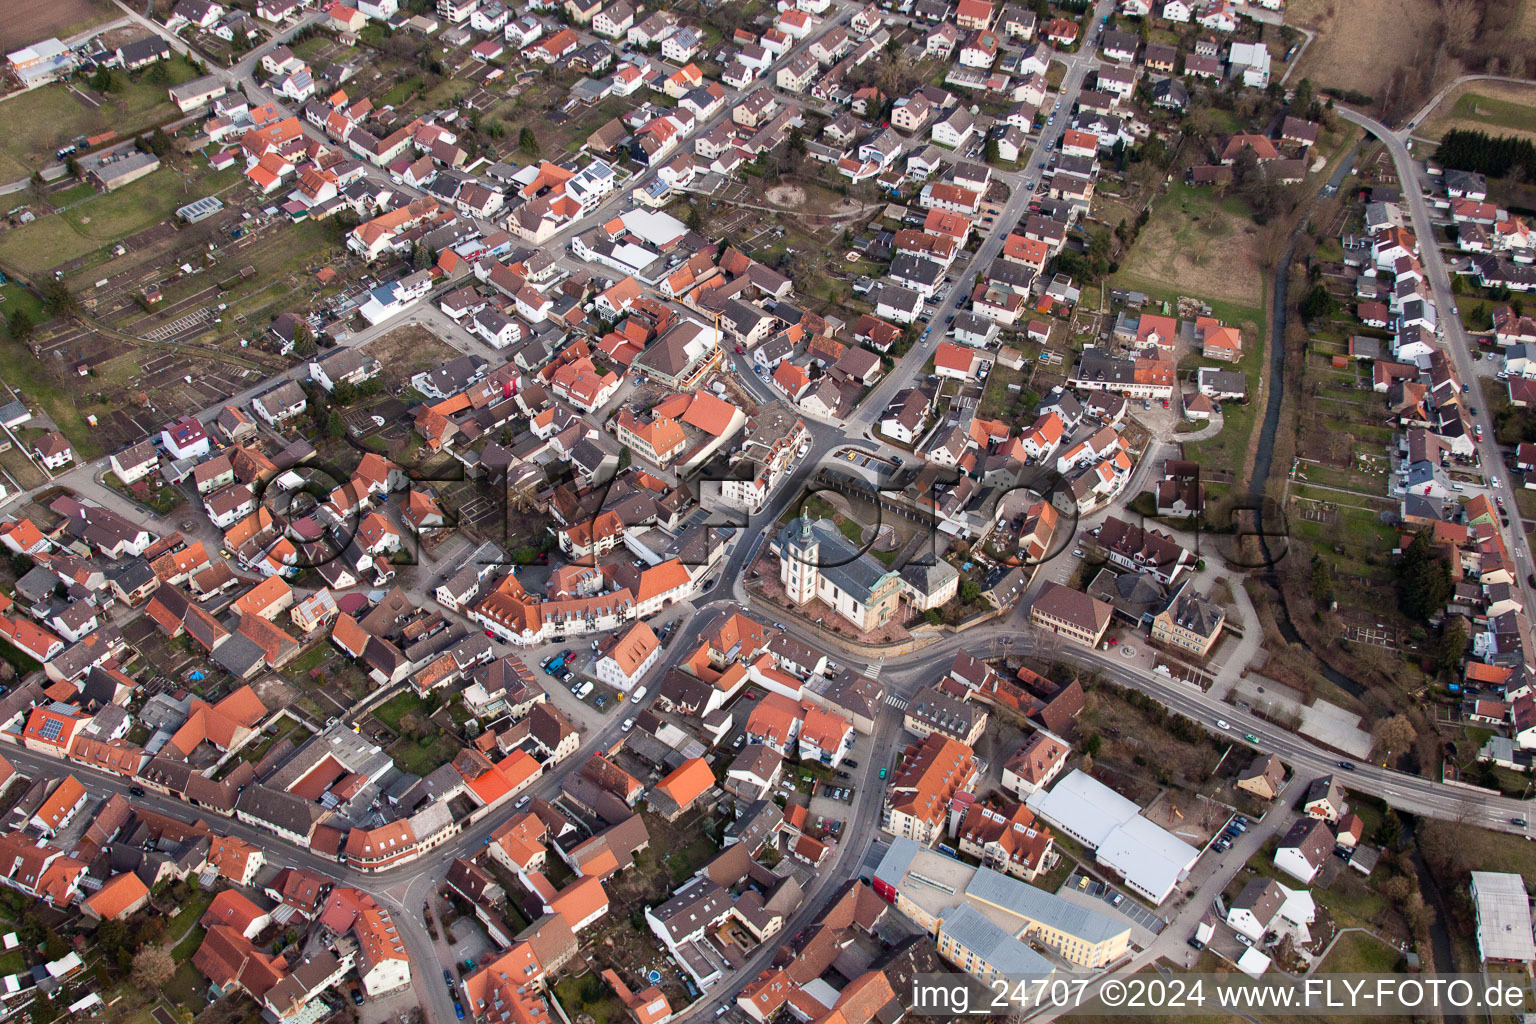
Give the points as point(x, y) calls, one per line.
point(134, 463)
point(1304, 849)
point(893, 302)
point(629, 658)
point(1265, 906)
point(185, 439)
point(53, 450)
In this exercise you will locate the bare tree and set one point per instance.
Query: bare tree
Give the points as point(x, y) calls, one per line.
point(152, 967)
point(1393, 734)
point(1459, 23)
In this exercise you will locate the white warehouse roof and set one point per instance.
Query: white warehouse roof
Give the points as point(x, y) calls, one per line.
point(1150, 858)
point(1503, 916)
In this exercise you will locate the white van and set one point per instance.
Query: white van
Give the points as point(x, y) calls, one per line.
point(585, 691)
point(638, 695)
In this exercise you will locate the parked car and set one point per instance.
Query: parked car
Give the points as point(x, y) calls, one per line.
point(629, 723)
point(136, 790)
point(1348, 766)
point(850, 762)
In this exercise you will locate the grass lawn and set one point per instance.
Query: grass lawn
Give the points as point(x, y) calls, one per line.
point(590, 995)
point(1195, 244)
point(13, 297)
point(1359, 953)
point(89, 225)
point(184, 949)
point(75, 193)
point(1495, 113)
point(187, 988)
point(46, 118)
point(24, 373)
point(397, 707)
point(424, 759)
point(684, 862)
point(22, 663)
point(852, 530)
point(314, 658)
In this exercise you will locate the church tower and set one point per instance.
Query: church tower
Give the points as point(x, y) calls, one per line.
point(798, 561)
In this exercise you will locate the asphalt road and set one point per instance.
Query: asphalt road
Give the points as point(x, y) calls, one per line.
point(1453, 337)
point(1078, 65)
point(402, 889)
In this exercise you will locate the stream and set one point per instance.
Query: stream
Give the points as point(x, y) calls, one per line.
point(1264, 456)
point(1439, 954)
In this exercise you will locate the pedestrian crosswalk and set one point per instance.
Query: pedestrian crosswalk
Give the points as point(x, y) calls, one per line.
point(873, 671)
point(899, 703)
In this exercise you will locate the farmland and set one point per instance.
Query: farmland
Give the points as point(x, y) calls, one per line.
point(27, 23)
point(87, 226)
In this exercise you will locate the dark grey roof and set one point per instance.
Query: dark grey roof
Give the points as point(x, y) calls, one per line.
point(844, 565)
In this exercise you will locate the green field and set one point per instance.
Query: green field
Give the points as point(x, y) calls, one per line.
point(41, 121)
point(89, 225)
point(1495, 113)
point(13, 297)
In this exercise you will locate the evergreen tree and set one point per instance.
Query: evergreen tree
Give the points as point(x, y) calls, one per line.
point(1423, 580)
point(1322, 581)
point(19, 325)
point(1453, 644)
point(1317, 304)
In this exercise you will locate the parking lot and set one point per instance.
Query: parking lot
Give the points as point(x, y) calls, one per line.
point(1079, 884)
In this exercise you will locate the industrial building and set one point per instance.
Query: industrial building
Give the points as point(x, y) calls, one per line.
point(1151, 859)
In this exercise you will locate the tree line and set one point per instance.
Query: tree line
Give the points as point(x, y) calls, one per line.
point(1503, 157)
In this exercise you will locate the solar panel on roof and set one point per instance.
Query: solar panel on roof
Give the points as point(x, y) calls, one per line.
point(52, 729)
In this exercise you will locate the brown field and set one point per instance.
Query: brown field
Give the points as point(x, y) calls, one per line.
point(407, 351)
point(26, 23)
point(1360, 43)
point(1196, 244)
point(1487, 110)
point(1525, 22)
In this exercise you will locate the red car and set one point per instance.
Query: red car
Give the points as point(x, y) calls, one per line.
point(751, 695)
point(740, 351)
